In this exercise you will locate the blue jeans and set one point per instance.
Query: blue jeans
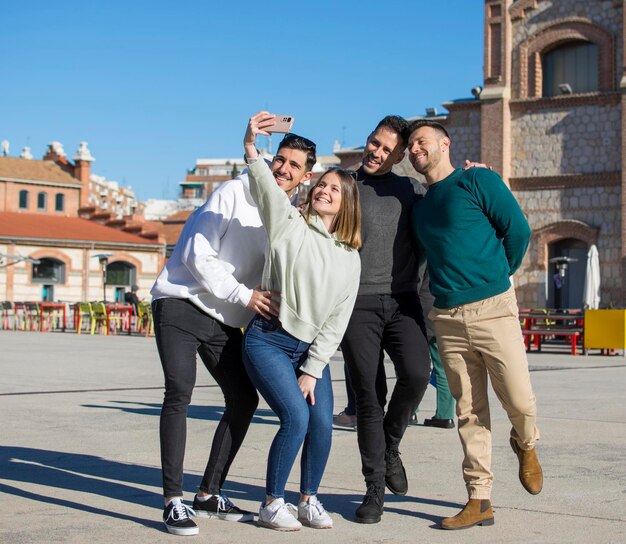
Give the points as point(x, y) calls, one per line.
point(272, 358)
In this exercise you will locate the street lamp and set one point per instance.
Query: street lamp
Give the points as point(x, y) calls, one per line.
point(562, 264)
point(104, 261)
point(7, 260)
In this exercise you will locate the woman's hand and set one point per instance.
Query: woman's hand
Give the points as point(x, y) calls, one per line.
point(258, 124)
point(306, 382)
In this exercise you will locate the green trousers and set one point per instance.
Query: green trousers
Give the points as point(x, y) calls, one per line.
point(445, 400)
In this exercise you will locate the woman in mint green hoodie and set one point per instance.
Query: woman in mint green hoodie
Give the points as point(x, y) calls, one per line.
point(312, 260)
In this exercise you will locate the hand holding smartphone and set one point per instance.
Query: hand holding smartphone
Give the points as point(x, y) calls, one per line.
point(283, 124)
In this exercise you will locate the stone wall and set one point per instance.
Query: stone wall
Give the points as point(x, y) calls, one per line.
point(464, 130)
point(584, 139)
point(598, 207)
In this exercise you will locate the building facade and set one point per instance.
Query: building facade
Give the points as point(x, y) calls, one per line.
point(550, 118)
point(69, 235)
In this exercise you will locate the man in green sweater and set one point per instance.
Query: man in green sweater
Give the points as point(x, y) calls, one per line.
point(475, 236)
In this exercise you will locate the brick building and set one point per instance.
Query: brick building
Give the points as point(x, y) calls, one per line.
point(549, 118)
point(59, 222)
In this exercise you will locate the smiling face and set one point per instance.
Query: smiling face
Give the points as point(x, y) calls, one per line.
point(426, 147)
point(289, 168)
point(383, 149)
point(326, 195)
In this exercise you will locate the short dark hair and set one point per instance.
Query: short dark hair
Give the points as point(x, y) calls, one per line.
point(427, 123)
point(293, 141)
point(398, 125)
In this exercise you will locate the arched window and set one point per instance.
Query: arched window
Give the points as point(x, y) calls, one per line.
point(42, 201)
point(571, 68)
point(59, 202)
point(121, 273)
point(49, 270)
point(23, 200)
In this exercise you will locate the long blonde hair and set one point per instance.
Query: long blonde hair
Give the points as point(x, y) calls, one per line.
point(347, 223)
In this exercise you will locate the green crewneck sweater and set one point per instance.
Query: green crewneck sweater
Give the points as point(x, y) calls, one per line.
point(474, 233)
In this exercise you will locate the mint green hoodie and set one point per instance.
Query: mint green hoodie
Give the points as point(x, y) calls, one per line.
point(316, 274)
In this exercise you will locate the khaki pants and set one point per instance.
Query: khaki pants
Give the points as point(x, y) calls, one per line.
point(479, 340)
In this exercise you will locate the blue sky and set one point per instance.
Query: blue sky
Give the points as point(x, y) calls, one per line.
point(154, 85)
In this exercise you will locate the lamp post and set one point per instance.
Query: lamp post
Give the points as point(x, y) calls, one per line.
point(104, 261)
point(562, 264)
point(7, 260)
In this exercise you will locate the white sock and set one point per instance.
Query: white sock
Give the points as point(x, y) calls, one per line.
point(202, 498)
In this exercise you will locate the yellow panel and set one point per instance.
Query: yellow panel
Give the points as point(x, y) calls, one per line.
point(605, 329)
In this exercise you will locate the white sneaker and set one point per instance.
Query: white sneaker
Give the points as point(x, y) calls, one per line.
point(278, 515)
point(312, 514)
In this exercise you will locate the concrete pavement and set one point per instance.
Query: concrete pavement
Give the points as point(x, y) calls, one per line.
point(79, 455)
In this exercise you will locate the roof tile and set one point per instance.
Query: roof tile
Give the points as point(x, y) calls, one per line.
point(34, 170)
point(52, 227)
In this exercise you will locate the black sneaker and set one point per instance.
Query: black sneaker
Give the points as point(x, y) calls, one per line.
point(395, 475)
point(371, 508)
point(176, 517)
point(219, 506)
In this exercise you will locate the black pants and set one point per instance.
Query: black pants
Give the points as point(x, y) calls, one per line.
point(381, 388)
point(181, 330)
point(395, 324)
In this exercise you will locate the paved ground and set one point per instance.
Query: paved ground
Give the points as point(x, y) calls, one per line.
point(79, 458)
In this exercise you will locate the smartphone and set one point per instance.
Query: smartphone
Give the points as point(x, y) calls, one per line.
point(283, 123)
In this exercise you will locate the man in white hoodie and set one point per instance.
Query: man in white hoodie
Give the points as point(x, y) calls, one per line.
point(201, 299)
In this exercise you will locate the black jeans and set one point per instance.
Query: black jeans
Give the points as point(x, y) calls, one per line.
point(381, 388)
point(181, 330)
point(395, 324)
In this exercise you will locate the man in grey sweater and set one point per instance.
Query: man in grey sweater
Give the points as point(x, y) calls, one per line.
point(387, 317)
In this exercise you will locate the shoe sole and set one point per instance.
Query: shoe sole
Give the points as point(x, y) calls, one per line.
point(436, 426)
point(341, 426)
point(189, 531)
point(225, 517)
point(307, 523)
point(368, 520)
point(484, 522)
point(396, 492)
point(268, 525)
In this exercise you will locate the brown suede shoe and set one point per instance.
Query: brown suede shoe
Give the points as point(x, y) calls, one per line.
point(476, 512)
point(530, 473)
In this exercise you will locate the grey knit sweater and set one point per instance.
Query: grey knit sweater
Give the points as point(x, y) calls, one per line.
point(388, 261)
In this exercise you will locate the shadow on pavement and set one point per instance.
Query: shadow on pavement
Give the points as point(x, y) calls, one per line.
point(206, 412)
point(94, 476)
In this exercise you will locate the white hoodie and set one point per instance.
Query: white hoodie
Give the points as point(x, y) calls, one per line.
point(219, 257)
